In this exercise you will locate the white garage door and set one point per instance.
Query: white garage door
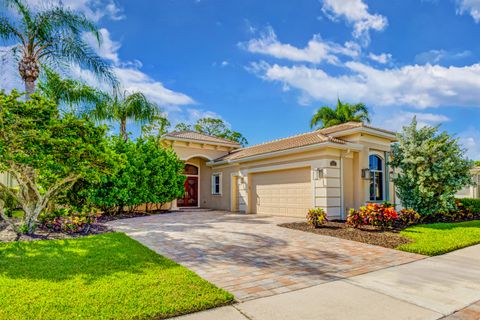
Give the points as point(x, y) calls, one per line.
point(285, 193)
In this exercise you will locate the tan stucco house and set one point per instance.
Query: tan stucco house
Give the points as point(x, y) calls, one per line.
point(336, 168)
point(474, 190)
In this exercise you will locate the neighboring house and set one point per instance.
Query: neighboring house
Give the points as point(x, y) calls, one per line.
point(472, 191)
point(336, 168)
point(7, 179)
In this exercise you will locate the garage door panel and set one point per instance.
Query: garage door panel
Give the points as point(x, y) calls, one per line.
point(286, 193)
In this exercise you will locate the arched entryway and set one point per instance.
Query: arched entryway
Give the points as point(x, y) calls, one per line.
point(191, 196)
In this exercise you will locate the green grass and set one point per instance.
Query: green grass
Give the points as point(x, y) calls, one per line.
point(439, 238)
point(108, 276)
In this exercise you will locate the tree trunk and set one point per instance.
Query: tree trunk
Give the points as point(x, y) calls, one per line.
point(29, 70)
point(123, 129)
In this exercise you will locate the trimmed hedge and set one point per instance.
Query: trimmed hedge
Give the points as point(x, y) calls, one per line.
point(472, 204)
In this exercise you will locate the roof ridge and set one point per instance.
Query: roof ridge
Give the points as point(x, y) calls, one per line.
point(175, 133)
point(279, 139)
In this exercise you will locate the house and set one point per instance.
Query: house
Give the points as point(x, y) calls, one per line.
point(336, 168)
point(474, 190)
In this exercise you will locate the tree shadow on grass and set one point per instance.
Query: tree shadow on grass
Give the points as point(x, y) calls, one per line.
point(92, 258)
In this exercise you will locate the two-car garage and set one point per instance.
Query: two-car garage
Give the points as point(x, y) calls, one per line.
point(285, 192)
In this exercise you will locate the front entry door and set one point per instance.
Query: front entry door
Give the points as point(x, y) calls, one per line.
point(190, 198)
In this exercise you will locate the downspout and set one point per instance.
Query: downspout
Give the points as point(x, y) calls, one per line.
point(342, 201)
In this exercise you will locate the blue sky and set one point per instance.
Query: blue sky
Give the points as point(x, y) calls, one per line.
point(266, 66)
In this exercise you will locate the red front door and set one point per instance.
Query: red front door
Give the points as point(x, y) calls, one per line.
point(190, 198)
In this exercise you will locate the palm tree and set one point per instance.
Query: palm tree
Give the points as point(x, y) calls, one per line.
point(72, 93)
point(52, 37)
point(121, 107)
point(343, 112)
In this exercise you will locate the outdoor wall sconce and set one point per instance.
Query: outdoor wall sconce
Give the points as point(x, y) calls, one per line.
point(366, 173)
point(318, 173)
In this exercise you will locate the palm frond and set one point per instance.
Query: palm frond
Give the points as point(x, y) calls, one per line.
point(75, 50)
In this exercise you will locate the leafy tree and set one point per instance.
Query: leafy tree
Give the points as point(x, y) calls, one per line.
point(213, 127)
point(477, 163)
point(156, 128)
point(343, 112)
point(45, 153)
point(149, 174)
point(121, 107)
point(53, 37)
point(431, 168)
point(183, 127)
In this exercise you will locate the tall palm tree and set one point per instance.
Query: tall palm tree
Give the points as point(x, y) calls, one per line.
point(343, 112)
point(53, 37)
point(122, 107)
point(80, 97)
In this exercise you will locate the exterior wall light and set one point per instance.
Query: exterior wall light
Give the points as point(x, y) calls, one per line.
point(366, 174)
point(318, 173)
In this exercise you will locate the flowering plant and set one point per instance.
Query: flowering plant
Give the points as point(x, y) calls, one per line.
point(316, 217)
point(381, 215)
point(63, 220)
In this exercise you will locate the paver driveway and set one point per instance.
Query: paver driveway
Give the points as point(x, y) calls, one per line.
point(251, 256)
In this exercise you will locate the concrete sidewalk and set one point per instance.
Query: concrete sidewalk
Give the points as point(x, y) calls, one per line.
point(432, 288)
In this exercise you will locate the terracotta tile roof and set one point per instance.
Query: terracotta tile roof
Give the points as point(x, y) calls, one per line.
point(193, 135)
point(352, 125)
point(301, 140)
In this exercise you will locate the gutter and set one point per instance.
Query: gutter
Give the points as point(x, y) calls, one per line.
point(233, 145)
point(346, 146)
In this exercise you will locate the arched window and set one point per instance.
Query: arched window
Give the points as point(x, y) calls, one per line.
point(376, 178)
point(190, 170)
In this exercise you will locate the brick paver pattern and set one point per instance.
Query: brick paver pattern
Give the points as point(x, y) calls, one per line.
point(250, 256)
point(471, 312)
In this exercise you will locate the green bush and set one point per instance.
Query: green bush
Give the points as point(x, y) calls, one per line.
point(147, 174)
point(316, 217)
point(431, 168)
point(65, 220)
point(408, 217)
point(473, 204)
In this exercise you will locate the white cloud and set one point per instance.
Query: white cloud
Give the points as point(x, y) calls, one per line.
point(471, 7)
point(108, 48)
point(437, 56)
point(411, 85)
point(380, 58)
point(93, 9)
point(356, 13)
point(397, 120)
point(316, 50)
point(470, 139)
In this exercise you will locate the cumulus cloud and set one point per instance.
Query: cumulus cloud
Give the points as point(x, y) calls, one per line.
point(316, 51)
point(411, 85)
point(470, 139)
point(380, 58)
point(438, 56)
point(395, 121)
point(108, 48)
point(471, 7)
point(93, 9)
point(356, 13)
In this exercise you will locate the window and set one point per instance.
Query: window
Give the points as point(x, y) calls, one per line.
point(376, 178)
point(217, 183)
point(190, 170)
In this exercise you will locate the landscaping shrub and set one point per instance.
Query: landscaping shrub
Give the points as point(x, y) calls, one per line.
point(356, 218)
point(408, 217)
point(473, 204)
point(316, 217)
point(64, 220)
point(147, 174)
point(380, 215)
point(431, 167)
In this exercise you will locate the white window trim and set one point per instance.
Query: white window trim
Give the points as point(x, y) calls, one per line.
point(220, 183)
point(384, 178)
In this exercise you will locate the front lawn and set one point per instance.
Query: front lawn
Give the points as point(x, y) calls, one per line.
point(107, 276)
point(438, 238)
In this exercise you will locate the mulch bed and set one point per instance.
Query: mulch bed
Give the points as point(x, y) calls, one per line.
point(366, 234)
point(8, 235)
point(128, 215)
